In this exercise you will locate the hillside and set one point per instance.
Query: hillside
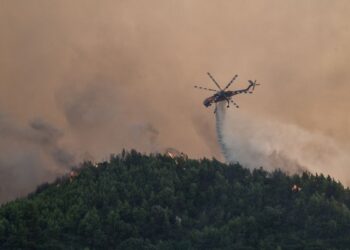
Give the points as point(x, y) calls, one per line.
point(136, 201)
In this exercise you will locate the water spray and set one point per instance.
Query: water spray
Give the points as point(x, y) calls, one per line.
point(220, 115)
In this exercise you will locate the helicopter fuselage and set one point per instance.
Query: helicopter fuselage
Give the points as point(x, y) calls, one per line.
point(218, 97)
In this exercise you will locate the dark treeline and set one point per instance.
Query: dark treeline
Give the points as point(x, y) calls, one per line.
point(136, 201)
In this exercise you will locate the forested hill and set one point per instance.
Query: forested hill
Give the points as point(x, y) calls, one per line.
point(136, 201)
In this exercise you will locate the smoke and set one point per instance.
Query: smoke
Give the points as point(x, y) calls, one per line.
point(256, 142)
point(110, 75)
point(30, 155)
point(47, 137)
point(146, 133)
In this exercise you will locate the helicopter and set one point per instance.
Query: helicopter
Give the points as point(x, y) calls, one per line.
point(224, 94)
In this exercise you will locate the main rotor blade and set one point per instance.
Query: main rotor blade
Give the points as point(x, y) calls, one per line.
point(234, 103)
point(233, 79)
point(212, 78)
point(199, 87)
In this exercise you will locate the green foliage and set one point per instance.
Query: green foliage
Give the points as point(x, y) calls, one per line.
point(136, 201)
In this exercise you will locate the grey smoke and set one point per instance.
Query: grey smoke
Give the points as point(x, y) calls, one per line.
point(29, 155)
point(255, 142)
point(146, 133)
point(47, 137)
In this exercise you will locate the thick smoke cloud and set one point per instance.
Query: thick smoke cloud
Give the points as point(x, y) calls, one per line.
point(109, 75)
point(256, 142)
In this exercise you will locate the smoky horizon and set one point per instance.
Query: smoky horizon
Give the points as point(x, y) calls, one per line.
point(85, 79)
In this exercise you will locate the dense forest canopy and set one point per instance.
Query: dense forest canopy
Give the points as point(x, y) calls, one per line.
point(137, 201)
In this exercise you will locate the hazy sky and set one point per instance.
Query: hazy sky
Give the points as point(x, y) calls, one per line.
point(84, 79)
